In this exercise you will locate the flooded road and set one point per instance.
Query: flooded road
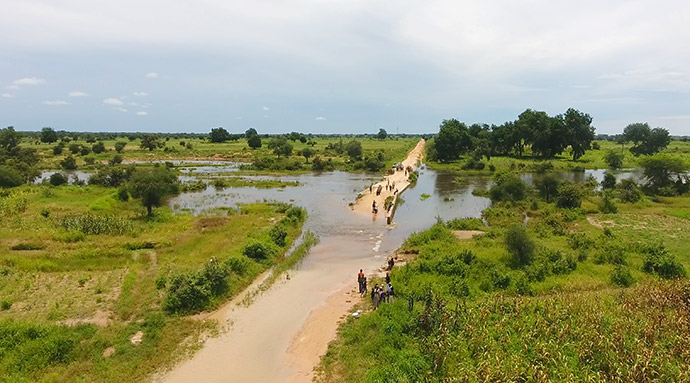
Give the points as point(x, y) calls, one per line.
point(281, 334)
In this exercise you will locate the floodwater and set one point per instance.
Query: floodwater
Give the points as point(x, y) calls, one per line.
point(255, 347)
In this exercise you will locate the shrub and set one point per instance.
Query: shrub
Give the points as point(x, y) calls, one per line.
point(117, 159)
point(659, 261)
point(508, 187)
point(96, 224)
point(120, 146)
point(111, 176)
point(607, 204)
point(612, 253)
point(519, 245)
point(69, 163)
point(258, 251)
point(57, 179)
point(568, 196)
point(628, 191)
point(57, 150)
point(614, 160)
point(621, 276)
point(547, 185)
point(27, 246)
point(10, 177)
point(5, 305)
point(188, 293)
point(239, 265)
point(84, 150)
point(295, 214)
point(609, 181)
point(123, 194)
point(466, 224)
point(580, 241)
point(89, 160)
point(98, 147)
point(278, 235)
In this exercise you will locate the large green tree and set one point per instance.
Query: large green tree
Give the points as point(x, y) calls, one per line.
point(645, 140)
point(150, 142)
point(9, 138)
point(451, 140)
point(48, 135)
point(280, 146)
point(153, 186)
point(580, 131)
point(219, 135)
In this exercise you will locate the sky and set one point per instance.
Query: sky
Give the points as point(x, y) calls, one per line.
point(340, 66)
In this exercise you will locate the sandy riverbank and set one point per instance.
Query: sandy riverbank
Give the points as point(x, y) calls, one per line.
point(398, 180)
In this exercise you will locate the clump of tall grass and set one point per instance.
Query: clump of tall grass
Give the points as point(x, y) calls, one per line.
point(97, 224)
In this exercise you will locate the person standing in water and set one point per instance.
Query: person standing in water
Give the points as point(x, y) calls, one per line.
point(374, 209)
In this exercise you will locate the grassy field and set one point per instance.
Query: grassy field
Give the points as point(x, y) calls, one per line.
point(593, 159)
point(588, 307)
point(394, 149)
point(82, 272)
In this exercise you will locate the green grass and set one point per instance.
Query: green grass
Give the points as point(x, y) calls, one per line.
point(463, 312)
point(105, 281)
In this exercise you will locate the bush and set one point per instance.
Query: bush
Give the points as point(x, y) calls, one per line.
point(607, 204)
point(84, 151)
point(90, 160)
point(259, 251)
point(5, 305)
point(580, 241)
point(57, 179)
point(10, 177)
point(466, 224)
point(239, 265)
point(609, 181)
point(295, 214)
point(57, 150)
point(27, 246)
point(614, 160)
point(659, 261)
point(628, 191)
point(98, 147)
point(123, 194)
point(568, 196)
point(120, 146)
point(116, 160)
point(547, 185)
point(189, 293)
point(519, 245)
point(508, 187)
point(621, 276)
point(69, 163)
point(278, 235)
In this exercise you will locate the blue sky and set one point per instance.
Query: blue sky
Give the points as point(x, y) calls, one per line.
point(345, 66)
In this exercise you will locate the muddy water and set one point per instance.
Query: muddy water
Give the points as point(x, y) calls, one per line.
point(254, 348)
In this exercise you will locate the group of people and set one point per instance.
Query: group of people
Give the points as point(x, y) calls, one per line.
point(380, 293)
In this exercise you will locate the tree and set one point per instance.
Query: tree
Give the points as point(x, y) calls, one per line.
point(614, 160)
point(519, 245)
point(549, 135)
point(451, 140)
point(48, 135)
point(294, 136)
point(568, 196)
point(250, 132)
point(609, 181)
point(645, 140)
point(254, 141)
point(280, 146)
point(9, 138)
point(74, 148)
point(354, 149)
point(57, 179)
point(120, 146)
point(57, 149)
point(150, 142)
point(628, 191)
point(508, 187)
point(547, 185)
point(382, 134)
point(98, 147)
point(580, 131)
point(219, 135)
point(664, 174)
point(69, 163)
point(307, 152)
point(153, 186)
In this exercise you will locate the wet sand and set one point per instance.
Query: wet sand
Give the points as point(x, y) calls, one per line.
point(398, 180)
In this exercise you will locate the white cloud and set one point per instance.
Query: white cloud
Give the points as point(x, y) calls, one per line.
point(152, 75)
point(266, 108)
point(132, 104)
point(12, 87)
point(266, 116)
point(6, 95)
point(320, 118)
point(121, 109)
point(146, 105)
point(29, 81)
point(142, 113)
point(140, 94)
point(55, 102)
point(77, 93)
point(113, 102)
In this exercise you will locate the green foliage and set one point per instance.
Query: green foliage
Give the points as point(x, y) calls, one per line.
point(151, 142)
point(466, 224)
point(193, 292)
point(507, 187)
point(57, 179)
point(9, 138)
point(646, 140)
point(569, 196)
point(280, 146)
point(10, 177)
point(353, 149)
point(96, 224)
point(607, 204)
point(69, 163)
point(382, 134)
point(614, 160)
point(278, 235)
point(259, 251)
point(319, 164)
point(664, 172)
point(57, 149)
point(307, 153)
point(451, 140)
point(628, 191)
point(218, 135)
point(621, 276)
point(547, 185)
point(120, 146)
point(519, 245)
point(609, 181)
point(98, 147)
point(152, 186)
point(116, 160)
point(27, 246)
point(659, 261)
point(48, 135)
point(254, 141)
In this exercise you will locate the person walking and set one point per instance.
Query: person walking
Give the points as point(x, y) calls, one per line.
point(360, 280)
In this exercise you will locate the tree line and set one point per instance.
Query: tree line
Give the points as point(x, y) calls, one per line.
point(546, 136)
